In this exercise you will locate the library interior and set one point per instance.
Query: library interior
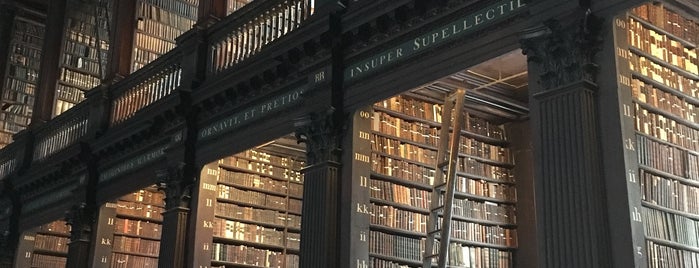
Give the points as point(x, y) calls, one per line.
point(349, 134)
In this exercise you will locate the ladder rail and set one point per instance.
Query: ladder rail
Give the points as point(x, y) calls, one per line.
point(453, 104)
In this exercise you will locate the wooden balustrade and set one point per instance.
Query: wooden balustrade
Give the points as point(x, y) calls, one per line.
point(149, 84)
point(61, 132)
point(245, 32)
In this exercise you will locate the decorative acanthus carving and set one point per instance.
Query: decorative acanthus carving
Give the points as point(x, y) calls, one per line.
point(318, 131)
point(177, 188)
point(564, 53)
point(80, 218)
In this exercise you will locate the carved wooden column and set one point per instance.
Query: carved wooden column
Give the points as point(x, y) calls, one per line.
point(80, 217)
point(570, 193)
point(121, 38)
point(9, 234)
point(50, 60)
point(176, 182)
point(319, 220)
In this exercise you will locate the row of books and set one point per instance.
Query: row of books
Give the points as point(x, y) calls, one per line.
point(381, 263)
point(398, 127)
point(291, 174)
point(661, 256)
point(667, 158)
point(120, 260)
point(396, 166)
point(85, 43)
point(666, 129)
point(660, 73)
point(62, 106)
point(78, 79)
point(52, 243)
point(184, 8)
point(138, 228)
point(68, 93)
point(13, 122)
point(671, 227)
point(156, 45)
point(248, 256)
point(248, 232)
point(27, 73)
point(260, 199)
point(497, 191)
point(668, 20)
point(257, 181)
point(665, 101)
point(142, 57)
point(420, 153)
point(272, 159)
point(475, 232)
point(140, 209)
point(21, 86)
point(258, 215)
point(397, 193)
point(233, 5)
point(80, 63)
point(40, 260)
point(662, 47)
point(159, 29)
point(136, 245)
point(489, 211)
point(396, 246)
point(670, 193)
point(397, 218)
point(478, 257)
point(433, 112)
point(147, 196)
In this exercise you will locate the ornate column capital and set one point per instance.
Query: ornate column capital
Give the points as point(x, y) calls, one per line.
point(177, 188)
point(564, 52)
point(319, 132)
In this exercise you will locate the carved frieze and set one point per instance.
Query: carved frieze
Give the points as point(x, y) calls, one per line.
point(319, 132)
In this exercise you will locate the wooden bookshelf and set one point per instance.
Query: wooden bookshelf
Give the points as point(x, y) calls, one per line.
point(45, 246)
point(158, 24)
point(404, 138)
point(257, 210)
point(21, 77)
point(658, 85)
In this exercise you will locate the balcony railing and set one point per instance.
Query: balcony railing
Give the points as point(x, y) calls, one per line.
point(247, 31)
point(149, 84)
point(61, 132)
point(8, 160)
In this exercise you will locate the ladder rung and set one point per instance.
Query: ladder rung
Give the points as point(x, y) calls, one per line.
point(440, 186)
point(436, 231)
point(443, 165)
point(434, 209)
point(432, 256)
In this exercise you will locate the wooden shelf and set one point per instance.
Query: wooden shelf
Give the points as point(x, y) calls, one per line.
point(667, 114)
point(52, 233)
point(433, 148)
point(668, 175)
point(645, 79)
point(663, 63)
point(658, 140)
point(241, 203)
point(255, 189)
point(670, 210)
point(466, 133)
point(139, 218)
point(263, 162)
point(397, 231)
point(233, 264)
point(135, 254)
point(234, 168)
point(137, 236)
point(415, 263)
point(231, 241)
point(672, 244)
point(457, 194)
point(660, 30)
point(399, 206)
point(481, 244)
point(48, 252)
point(484, 222)
point(260, 223)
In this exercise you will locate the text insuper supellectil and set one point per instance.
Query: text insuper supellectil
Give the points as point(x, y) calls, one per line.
point(452, 30)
